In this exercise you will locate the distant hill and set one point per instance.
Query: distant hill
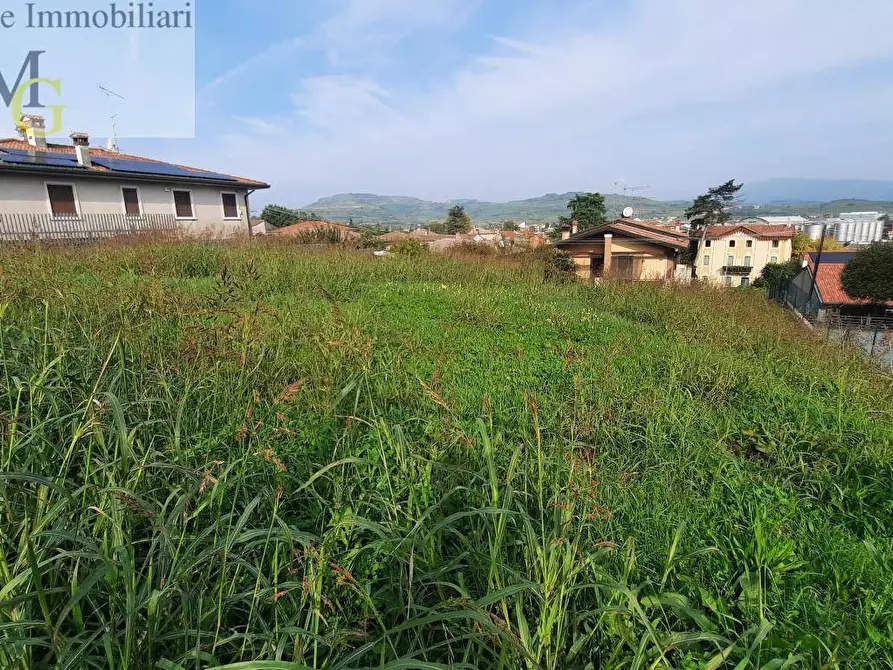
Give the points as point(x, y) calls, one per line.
point(399, 211)
point(792, 191)
point(771, 197)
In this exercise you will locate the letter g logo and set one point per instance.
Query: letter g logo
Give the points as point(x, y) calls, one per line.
point(19, 97)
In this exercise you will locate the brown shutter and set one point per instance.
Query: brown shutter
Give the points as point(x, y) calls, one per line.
point(62, 200)
point(183, 202)
point(131, 201)
point(230, 207)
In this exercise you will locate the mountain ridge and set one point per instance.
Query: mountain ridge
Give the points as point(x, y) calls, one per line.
point(809, 197)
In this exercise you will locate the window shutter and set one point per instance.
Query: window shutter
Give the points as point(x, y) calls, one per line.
point(131, 202)
point(62, 200)
point(183, 203)
point(230, 206)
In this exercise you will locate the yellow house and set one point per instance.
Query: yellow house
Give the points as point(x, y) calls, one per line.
point(736, 255)
point(625, 249)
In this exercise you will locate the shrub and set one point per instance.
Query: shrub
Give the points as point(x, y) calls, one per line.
point(409, 247)
point(320, 236)
point(776, 275)
point(473, 249)
point(557, 265)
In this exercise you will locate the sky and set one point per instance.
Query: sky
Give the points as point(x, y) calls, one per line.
point(511, 99)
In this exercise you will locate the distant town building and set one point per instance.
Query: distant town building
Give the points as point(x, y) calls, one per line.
point(736, 255)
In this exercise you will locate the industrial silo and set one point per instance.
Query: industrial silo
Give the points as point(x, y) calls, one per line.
point(814, 231)
point(842, 231)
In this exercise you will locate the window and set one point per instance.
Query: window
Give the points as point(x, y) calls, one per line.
point(706, 259)
point(745, 282)
point(131, 201)
point(230, 206)
point(748, 262)
point(727, 281)
point(775, 244)
point(708, 243)
point(749, 244)
point(774, 259)
point(183, 205)
point(63, 201)
point(730, 260)
point(731, 244)
point(626, 267)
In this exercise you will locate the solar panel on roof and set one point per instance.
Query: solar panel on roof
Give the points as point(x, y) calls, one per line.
point(43, 160)
point(53, 155)
point(163, 169)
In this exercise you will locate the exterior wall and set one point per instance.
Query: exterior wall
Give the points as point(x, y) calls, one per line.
point(655, 264)
point(761, 253)
point(27, 194)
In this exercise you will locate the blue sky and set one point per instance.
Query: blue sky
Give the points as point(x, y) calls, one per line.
point(499, 99)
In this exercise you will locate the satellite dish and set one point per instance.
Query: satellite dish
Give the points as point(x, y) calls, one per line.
point(628, 212)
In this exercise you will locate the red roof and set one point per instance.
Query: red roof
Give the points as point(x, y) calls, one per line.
point(763, 232)
point(105, 153)
point(829, 286)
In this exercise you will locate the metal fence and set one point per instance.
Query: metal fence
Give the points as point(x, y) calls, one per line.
point(873, 334)
point(31, 228)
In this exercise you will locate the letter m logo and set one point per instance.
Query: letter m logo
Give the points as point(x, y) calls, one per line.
point(31, 65)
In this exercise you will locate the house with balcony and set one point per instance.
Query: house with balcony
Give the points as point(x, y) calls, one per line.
point(625, 249)
point(79, 192)
point(736, 255)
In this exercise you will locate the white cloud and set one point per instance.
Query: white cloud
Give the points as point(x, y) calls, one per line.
point(366, 28)
point(576, 106)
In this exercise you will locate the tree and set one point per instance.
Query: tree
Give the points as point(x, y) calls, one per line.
point(777, 275)
point(437, 227)
point(588, 210)
point(457, 221)
point(711, 209)
point(510, 225)
point(280, 217)
point(804, 244)
point(869, 276)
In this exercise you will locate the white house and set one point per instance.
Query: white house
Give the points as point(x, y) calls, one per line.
point(79, 188)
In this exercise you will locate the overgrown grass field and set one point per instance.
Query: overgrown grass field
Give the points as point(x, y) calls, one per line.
point(255, 457)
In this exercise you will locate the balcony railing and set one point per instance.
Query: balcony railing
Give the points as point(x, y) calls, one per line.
point(737, 270)
point(27, 228)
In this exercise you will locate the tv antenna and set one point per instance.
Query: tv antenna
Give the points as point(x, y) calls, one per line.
point(630, 192)
point(113, 139)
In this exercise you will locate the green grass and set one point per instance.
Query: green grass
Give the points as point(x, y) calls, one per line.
point(260, 458)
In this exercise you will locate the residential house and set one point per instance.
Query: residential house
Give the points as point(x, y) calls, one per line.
point(828, 298)
point(75, 190)
point(625, 249)
point(736, 255)
point(259, 227)
point(524, 238)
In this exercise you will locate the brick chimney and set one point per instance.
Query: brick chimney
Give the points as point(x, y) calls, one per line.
point(609, 253)
point(81, 143)
point(34, 126)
